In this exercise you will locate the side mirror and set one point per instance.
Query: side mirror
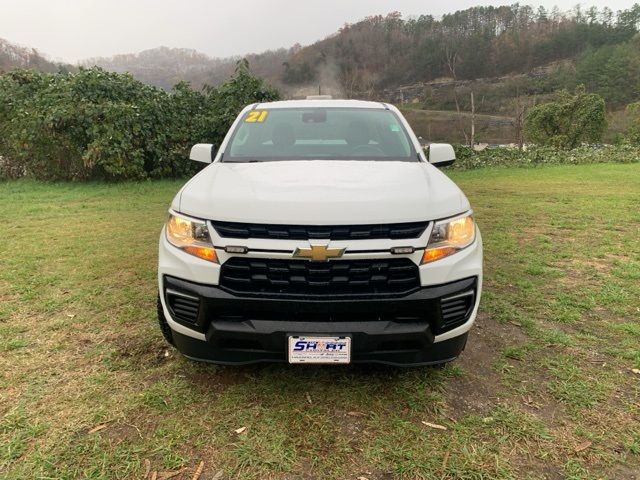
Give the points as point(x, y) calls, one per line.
point(441, 154)
point(202, 152)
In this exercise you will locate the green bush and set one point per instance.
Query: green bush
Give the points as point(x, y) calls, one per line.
point(633, 134)
point(467, 158)
point(98, 124)
point(567, 122)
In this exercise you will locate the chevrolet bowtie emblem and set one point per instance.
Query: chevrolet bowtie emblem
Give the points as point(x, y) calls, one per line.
point(318, 253)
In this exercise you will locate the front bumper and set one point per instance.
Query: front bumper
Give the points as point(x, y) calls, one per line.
point(203, 351)
point(237, 330)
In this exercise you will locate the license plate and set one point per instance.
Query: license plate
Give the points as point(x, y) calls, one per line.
point(303, 349)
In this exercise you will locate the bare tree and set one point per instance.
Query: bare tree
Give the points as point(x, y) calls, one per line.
point(473, 122)
point(519, 114)
point(451, 60)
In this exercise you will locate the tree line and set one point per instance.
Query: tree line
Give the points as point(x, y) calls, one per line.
point(383, 51)
point(589, 46)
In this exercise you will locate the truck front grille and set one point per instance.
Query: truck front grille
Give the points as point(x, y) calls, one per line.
point(307, 232)
point(302, 277)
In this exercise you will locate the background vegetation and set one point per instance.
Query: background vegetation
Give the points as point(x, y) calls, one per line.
point(567, 122)
point(536, 156)
point(386, 52)
point(468, 44)
point(95, 124)
point(98, 124)
point(552, 49)
point(15, 56)
point(508, 58)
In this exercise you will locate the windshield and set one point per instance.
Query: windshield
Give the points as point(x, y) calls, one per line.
point(319, 134)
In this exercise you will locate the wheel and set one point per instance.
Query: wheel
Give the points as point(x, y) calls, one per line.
point(164, 326)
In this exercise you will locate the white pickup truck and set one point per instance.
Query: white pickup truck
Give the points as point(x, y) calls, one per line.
point(320, 232)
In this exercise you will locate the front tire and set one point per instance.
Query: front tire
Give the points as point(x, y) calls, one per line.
point(164, 326)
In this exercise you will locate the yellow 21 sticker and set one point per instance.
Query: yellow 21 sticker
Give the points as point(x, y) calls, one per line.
point(256, 116)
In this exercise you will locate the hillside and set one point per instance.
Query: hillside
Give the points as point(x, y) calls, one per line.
point(164, 66)
point(15, 56)
point(480, 42)
point(373, 57)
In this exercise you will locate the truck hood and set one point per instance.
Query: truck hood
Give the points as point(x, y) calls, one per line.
point(321, 192)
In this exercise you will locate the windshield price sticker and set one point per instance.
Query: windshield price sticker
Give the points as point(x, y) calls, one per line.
point(256, 116)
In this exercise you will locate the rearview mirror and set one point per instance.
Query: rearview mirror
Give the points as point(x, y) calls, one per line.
point(202, 152)
point(441, 154)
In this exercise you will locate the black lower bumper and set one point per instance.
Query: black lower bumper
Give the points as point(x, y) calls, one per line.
point(431, 354)
point(391, 330)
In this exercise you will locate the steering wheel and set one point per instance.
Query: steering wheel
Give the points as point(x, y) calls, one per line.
point(367, 150)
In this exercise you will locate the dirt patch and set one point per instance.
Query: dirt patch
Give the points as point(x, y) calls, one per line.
point(128, 429)
point(148, 350)
point(579, 273)
point(209, 378)
point(545, 408)
point(528, 235)
point(542, 468)
point(625, 472)
point(478, 389)
point(351, 423)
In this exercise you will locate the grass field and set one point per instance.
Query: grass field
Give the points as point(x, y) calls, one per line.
point(545, 389)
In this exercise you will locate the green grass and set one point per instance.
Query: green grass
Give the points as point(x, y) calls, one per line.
point(547, 368)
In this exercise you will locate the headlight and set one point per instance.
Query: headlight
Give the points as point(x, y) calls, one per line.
point(190, 235)
point(449, 237)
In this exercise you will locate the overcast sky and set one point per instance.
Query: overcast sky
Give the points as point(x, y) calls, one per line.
point(71, 30)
